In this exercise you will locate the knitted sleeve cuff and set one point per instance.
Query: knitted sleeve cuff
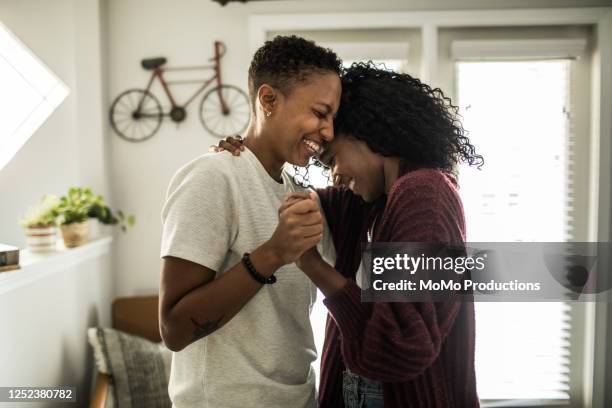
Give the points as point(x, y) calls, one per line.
point(347, 310)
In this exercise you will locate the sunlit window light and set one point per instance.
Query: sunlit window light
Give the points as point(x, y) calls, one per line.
point(30, 93)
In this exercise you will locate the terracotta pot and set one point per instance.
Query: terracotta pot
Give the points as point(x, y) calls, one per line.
point(41, 238)
point(75, 234)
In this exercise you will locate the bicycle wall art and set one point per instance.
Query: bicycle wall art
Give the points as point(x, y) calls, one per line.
point(136, 114)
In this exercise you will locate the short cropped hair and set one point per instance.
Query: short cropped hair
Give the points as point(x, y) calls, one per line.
point(287, 61)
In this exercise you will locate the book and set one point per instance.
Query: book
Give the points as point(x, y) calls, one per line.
point(9, 255)
point(7, 268)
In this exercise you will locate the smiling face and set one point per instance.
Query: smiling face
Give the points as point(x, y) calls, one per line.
point(303, 119)
point(355, 166)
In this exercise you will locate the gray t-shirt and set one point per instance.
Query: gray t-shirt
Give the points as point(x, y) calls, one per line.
point(217, 207)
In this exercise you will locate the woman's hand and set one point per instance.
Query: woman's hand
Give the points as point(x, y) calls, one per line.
point(234, 145)
point(300, 227)
point(323, 275)
point(295, 197)
point(310, 257)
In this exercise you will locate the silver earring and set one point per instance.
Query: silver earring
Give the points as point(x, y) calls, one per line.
point(268, 113)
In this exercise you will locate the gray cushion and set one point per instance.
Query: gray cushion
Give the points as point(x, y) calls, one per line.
point(139, 368)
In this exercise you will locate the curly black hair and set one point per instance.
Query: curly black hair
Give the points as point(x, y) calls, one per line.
point(287, 60)
point(398, 115)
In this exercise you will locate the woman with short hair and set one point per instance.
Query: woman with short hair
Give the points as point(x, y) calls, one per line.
point(234, 307)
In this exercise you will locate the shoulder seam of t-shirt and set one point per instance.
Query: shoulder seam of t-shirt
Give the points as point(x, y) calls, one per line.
point(204, 163)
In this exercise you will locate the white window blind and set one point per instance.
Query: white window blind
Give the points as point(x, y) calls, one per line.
point(30, 92)
point(518, 49)
point(517, 115)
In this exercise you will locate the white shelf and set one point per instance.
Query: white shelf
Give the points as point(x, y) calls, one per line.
point(36, 266)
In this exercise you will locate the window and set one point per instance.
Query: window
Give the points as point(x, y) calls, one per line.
point(517, 116)
point(522, 130)
point(30, 93)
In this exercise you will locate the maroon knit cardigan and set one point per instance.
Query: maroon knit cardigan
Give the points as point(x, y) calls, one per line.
point(422, 352)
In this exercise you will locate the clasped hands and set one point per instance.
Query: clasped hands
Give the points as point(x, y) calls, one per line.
point(299, 230)
point(300, 223)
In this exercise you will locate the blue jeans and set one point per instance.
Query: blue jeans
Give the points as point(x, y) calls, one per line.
point(360, 392)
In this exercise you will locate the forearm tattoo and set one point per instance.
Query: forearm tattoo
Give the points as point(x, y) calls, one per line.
point(205, 328)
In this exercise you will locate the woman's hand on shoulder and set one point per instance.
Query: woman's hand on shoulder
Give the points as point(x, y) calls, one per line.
point(233, 144)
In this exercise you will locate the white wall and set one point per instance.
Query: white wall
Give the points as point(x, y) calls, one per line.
point(44, 341)
point(68, 149)
point(44, 323)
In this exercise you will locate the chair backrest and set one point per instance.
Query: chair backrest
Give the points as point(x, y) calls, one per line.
point(137, 315)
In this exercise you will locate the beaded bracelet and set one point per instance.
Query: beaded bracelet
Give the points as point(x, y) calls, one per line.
point(246, 261)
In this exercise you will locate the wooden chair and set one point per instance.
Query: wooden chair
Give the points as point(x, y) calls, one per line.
point(134, 315)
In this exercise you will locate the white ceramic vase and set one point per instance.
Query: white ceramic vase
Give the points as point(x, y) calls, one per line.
point(41, 239)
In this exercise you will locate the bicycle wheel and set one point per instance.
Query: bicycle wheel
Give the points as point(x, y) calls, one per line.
point(133, 124)
point(235, 120)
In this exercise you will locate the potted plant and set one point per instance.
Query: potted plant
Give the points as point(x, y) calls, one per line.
point(40, 224)
point(77, 207)
point(72, 216)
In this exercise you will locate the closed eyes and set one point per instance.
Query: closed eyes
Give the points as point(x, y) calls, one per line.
point(319, 114)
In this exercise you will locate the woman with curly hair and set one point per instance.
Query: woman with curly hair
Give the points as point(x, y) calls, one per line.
point(397, 143)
